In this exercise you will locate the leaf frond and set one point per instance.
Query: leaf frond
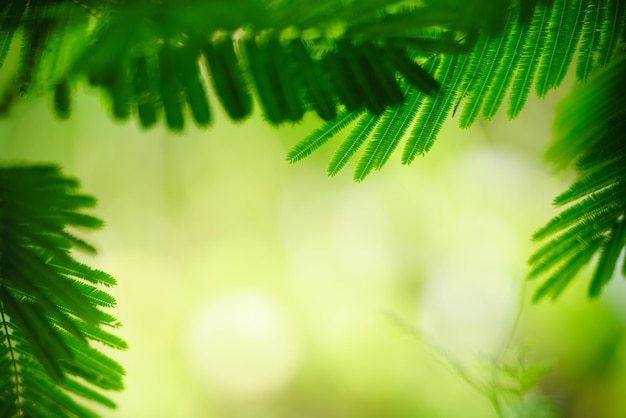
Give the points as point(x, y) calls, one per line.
point(433, 111)
point(594, 221)
point(357, 136)
point(50, 303)
point(563, 35)
point(320, 136)
point(535, 45)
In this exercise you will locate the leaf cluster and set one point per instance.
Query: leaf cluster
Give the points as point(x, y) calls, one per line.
point(590, 131)
point(534, 51)
point(51, 306)
point(381, 72)
point(153, 60)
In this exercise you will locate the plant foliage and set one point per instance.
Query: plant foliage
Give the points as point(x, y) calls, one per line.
point(594, 223)
point(534, 49)
point(51, 306)
point(149, 59)
point(386, 74)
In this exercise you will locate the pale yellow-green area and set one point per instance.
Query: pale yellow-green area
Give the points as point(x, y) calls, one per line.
point(252, 288)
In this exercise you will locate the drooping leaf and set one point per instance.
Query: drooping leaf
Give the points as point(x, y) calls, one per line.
point(530, 53)
point(562, 38)
point(320, 136)
point(432, 112)
point(364, 126)
point(227, 77)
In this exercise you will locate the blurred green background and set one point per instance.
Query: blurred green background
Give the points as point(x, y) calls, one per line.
point(251, 288)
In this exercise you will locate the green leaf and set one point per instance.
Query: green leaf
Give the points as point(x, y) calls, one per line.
point(412, 72)
point(9, 22)
point(530, 54)
point(45, 344)
point(594, 182)
point(312, 79)
point(187, 60)
point(49, 303)
point(227, 77)
point(381, 145)
point(381, 75)
point(62, 100)
point(570, 242)
point(589, 128)
point(562, 39)
point(431, 113)
point(87, 393)
point(274, 84)
point(583, 119)
point(478, 73)
point(609, 253)
point(504, 72)
point(349, 91)
point(171, 87)
point(357, 136)
point(321, 136)
point(558, 281)
point(145, 92)
point(595, 203)
point(590, 39)
point(614, 26)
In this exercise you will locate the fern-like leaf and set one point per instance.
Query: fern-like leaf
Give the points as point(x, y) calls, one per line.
point(583, 122)
point(357, 136)
point(614, 30)
point(530, 53)
point(144, 90)
point(130, 52)
point(312, 80)
point(564, 32)
point(434, 111)
point(611, 249)
point(385, 139)
point(10, 19)
point(227, 77)
point(594, 223)
point(170, 87)
point(516, 34)
point(50, 304)
point(192, 84)
point(276, 92)
point(591, 35)
point(320, 136)
point(481, 70)
point(533, 48)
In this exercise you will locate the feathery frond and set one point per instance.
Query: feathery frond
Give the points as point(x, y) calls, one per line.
point(590, 128)
point(297, 56)
point(535, 46)
point(10, 20)
point(389, 131)
point(320, 136)
point(433, 110)
point(529, 53)
point(364, 126)
point(50, 304)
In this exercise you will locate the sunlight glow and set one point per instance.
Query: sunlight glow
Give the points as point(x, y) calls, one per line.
point(240, 346)
point(469, 301)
